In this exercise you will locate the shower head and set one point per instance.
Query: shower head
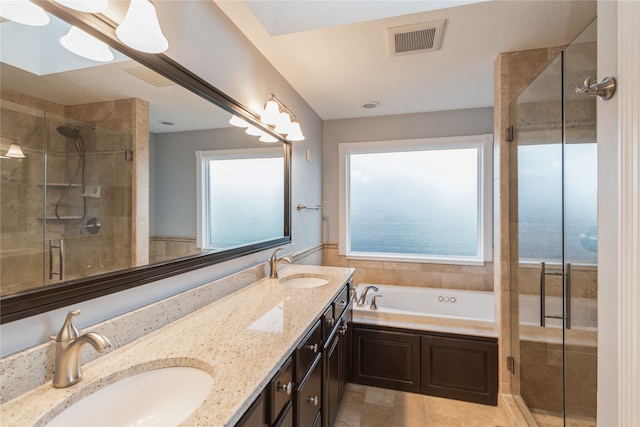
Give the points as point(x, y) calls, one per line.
point(70, 132)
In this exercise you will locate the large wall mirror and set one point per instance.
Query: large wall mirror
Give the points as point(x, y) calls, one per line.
point(130, 171)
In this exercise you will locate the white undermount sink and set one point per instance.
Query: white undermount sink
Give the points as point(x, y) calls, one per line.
point(161, 397)
point(302, 281)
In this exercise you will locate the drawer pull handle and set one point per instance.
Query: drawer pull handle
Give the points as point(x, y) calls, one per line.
point(331, 322)
point(342, 303)
point(313, 347)
point(343, 329)
point(313, 400)
point(286, 387)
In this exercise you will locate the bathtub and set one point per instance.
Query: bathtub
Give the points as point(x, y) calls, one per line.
point(430, 309)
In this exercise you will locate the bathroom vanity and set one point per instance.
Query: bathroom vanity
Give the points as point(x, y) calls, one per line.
point(277, 355)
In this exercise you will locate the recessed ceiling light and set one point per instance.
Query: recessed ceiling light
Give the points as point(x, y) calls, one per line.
point(164, 122)
point(371, 104)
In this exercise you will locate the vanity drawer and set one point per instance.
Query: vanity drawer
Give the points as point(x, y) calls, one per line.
point(308, 350)
point(309, 397)
point(341, 303)
point(281, 390)
point(328, 322)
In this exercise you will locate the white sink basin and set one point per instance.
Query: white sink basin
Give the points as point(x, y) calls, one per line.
point(162, 397)
point(303, 281)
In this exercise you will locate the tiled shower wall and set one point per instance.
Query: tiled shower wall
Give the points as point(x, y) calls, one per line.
point(24, 261)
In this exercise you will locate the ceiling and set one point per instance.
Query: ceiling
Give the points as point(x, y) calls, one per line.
point(334, 53)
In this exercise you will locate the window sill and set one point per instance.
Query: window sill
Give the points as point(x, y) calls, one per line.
point(417, 259)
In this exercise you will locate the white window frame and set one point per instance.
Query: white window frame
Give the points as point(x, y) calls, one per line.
point(484, 144)
point(202, 184)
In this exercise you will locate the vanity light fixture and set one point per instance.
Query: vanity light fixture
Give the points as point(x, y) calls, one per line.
point(24, 12)
point(89, 6)
point(140, 29)
point(85, 45)
point(283, 121)
point(254, 131)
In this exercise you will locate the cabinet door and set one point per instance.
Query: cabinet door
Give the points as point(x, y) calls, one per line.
point(333, 377)
point(255, 415)
point(280, 390)
point(286, 417)
point(460, 368)
point(386, 359)
point(309, 396)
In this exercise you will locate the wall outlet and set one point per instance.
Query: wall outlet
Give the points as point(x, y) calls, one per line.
point(308, 155)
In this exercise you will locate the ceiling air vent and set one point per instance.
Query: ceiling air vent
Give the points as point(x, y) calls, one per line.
point(414, 38)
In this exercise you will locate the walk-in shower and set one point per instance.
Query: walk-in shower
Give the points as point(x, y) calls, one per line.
point(553, 211)
point(79, 173)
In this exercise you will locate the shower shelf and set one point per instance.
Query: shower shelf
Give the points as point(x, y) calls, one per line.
point(63, 218)
point(60, 184)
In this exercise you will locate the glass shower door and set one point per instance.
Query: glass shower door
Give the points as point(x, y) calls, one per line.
point(554, 240)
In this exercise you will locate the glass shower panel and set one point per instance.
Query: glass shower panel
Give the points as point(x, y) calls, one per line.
point(580, 225)
point(536, 157)
point(21, 196)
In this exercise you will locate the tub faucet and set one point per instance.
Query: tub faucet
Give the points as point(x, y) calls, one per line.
point(69, 342)
point(274, 262)
point(363, 296)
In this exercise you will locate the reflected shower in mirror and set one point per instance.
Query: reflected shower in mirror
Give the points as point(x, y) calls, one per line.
point(109, 178)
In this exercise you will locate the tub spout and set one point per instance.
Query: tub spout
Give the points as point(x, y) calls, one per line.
point(374, 304)
point(363, 297)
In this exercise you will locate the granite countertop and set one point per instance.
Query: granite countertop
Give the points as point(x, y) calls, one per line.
point(241, 340)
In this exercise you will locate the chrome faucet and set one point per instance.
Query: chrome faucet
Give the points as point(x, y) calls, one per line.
point(274, 262)
point(374, 304)
point(69, 342)
point(363, 296)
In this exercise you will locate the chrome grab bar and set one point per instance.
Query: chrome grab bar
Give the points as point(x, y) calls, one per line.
point(567, 295)
point(60, 247)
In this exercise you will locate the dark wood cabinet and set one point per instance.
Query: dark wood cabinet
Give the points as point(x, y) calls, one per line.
point(280, 390)
point(286, 417)
point(447, 365)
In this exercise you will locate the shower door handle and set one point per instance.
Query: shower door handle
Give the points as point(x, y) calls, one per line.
point(567, 296)
point(60, 272)
point(542, 286)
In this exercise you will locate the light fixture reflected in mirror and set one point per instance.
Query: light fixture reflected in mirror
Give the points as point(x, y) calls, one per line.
point(14, 152)
point(253, 131)
point(85, 45)
point(141, 30)
point(23, 12)
point(265, 137)
point(89, 6)
point(237, 121)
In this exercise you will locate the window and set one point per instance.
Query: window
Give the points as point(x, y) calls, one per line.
point(234, 185)
point(419, 200)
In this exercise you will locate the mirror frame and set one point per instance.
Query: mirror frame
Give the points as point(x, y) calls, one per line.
point(36, 301)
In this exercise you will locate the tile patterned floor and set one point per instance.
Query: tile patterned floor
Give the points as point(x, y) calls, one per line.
point(545, 419)
point(365, 406)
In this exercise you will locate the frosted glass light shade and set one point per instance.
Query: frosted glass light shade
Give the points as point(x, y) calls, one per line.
point(237, 121)
point(24, 12)
point(283, 124)
point(140, 28)
point(85, 45)
point(265, 137)
point(295, 133)
point(254, 131)
point(271, 112)
point(89, 6)
point(15, 152)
